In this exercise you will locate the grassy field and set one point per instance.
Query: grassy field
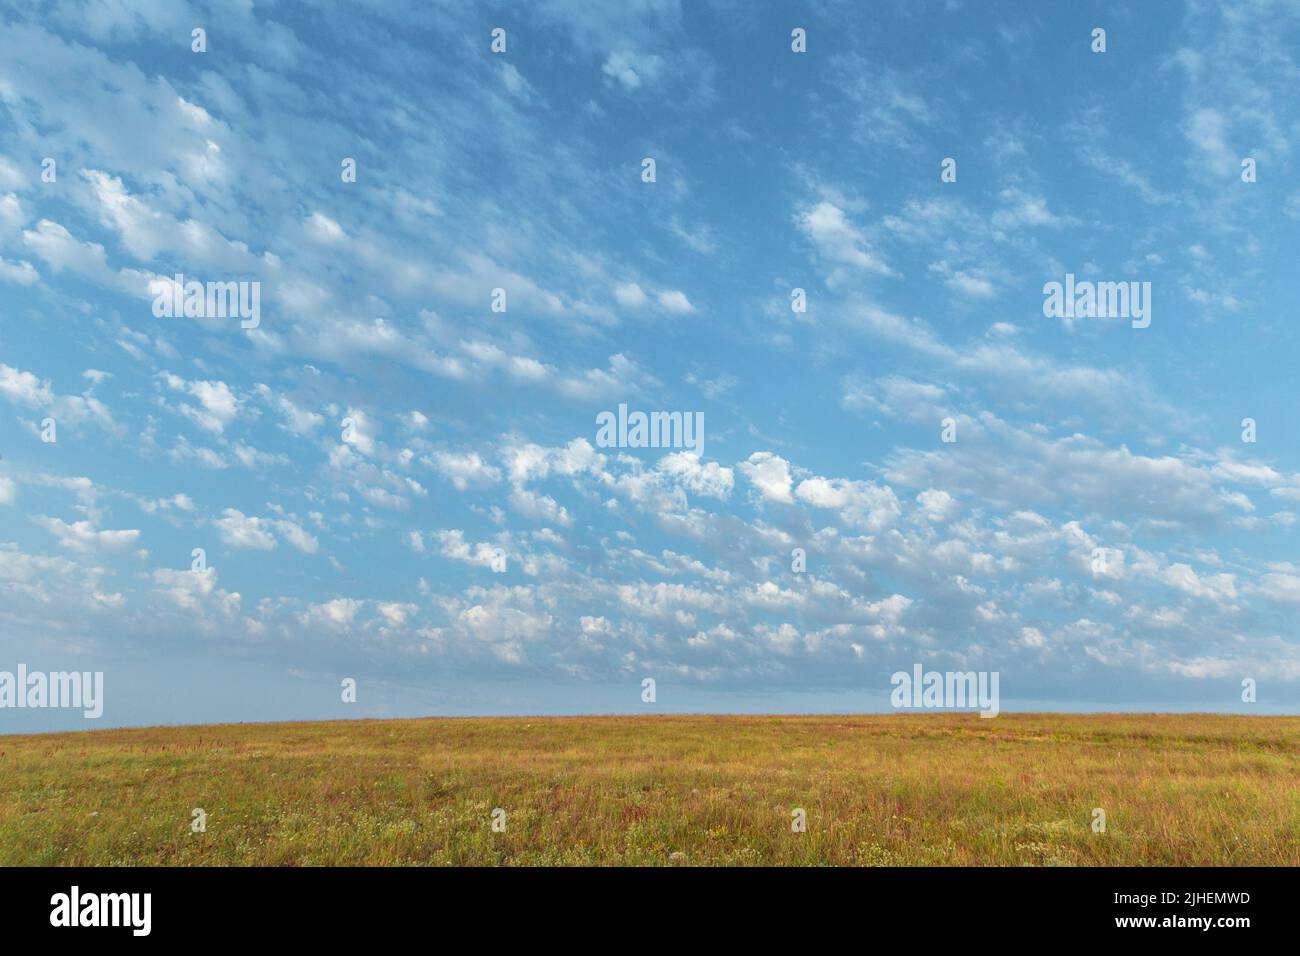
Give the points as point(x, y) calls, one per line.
point(878, 790)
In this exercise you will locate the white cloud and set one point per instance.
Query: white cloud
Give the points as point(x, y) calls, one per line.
point(292, 532)
point(359, 431)
point(630, 296)
point(676, 302)
point(19, 273)
point(770, 474)
point(83, 536)
point(454, 545)
point(1280, 587)
point(244, 531)
point(936, 505)
point(217, 403)
point(465, 469)
point(396, 613)
point(859, 502)
point(297, 420)
point(24, 388)
point(324, 229)
point(632, 69)
point(702, 478)
point(838, 240)
point(334, 615)
point(61, 250)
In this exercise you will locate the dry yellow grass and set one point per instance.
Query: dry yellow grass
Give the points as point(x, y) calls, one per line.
point(889, 789)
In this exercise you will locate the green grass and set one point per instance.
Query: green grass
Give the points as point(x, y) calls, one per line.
point(891, 790)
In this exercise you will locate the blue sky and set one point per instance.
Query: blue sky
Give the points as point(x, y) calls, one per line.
point(1098, 533)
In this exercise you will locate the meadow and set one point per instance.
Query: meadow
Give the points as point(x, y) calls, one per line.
point(876, 790)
